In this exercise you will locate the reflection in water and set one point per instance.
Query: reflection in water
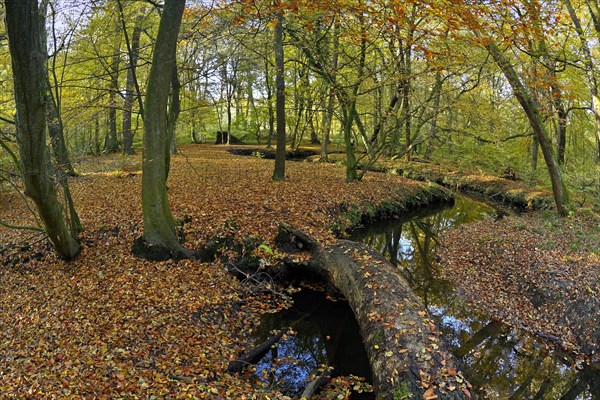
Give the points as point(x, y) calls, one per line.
point(504, 363)
point(326, 334)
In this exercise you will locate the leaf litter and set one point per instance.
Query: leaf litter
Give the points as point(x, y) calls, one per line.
point(110, 325)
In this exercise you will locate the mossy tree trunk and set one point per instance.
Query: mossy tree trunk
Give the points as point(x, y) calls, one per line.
point(159, 225)
point(25, 25)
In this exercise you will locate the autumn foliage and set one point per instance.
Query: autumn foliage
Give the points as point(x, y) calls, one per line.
point(109, 324)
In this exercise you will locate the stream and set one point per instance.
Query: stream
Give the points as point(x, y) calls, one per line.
point(501, 362)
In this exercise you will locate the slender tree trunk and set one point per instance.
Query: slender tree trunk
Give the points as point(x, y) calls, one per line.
point(406, 109)
point(159, 225)
point(57, 137)
point(112, 143)
point(54, 120)
point(279, 170)
point(328, 113)
point(348, 107)
point(588, 61)
point(130, 87)
point(534, 154)
point(531, 108)
point(97, 146)
point(26, 33)
point(436, 110)
point(271, 111)
point(174, 110)
point(348, 104)
point(595, 13)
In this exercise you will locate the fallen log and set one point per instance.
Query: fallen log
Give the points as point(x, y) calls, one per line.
point(254, 355)
point(312, 388)
point(405, 350)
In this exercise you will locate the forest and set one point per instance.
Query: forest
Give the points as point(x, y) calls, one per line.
point(227, 198)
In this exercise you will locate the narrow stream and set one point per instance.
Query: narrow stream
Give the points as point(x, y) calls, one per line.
point(501, 362)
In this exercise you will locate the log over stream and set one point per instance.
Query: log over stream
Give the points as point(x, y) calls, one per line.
point(405, 349)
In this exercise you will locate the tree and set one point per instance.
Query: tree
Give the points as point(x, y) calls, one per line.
point(132, 82)
point(279, 170)
point(532, 109)
point(159, 225)
point(25, 25)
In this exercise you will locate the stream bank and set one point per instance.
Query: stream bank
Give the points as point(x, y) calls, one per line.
point(510, 192)
point(501, 361)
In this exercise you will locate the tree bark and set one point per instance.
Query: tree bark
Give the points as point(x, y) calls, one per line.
point(159, 225)
point(588, 61)
point(531, 109)
point(112, 142)
point(54, 120)
point(434, 120)
point(279, 169)
point(131, 85)
point(26, 32)
point(328, 113)
point(405, 350)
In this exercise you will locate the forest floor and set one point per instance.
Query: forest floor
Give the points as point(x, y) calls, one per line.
point(110, 325)
point(534, 271)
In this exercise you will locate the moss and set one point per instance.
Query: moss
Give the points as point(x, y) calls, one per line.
point(402, 392)
point(356, 215)
point(515, 194)
point(378, 337)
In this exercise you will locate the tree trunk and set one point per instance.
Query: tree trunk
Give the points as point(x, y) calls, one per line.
point(348, 107)
point(57, 137)
point(328, 114)
point(174, 110)
point(436, 110)
point(532, 110)
point(279, 170)
point(534, 155)
point(595, 13)
point(54, 120)
point(112, 143)
point(130, 87)
point(159, 226)
point(405, 349)
point(26, 32)
point(588, 61)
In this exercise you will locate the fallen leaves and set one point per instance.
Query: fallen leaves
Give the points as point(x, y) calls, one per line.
point(533, 271)
point(110, 325)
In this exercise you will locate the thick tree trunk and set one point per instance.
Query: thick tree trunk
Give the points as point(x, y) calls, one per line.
point(405, 349)
point(159, 226)
point(26, 33)
point(279, 170)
